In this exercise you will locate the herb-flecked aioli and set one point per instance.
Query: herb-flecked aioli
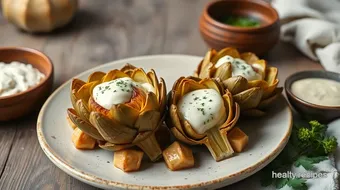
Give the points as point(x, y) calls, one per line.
point(240, 67)
point(203, 109)
point(117, 91)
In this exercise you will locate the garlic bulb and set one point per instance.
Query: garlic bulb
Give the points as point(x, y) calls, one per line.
point(39, 15)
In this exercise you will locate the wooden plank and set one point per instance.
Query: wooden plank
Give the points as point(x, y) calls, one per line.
point(106, 31)
point(183, 35)
point(28, 167)
point(7, 134)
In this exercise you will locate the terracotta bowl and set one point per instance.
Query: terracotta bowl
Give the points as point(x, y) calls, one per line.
point(308, 110)
point(254, 39)
point(17, 105)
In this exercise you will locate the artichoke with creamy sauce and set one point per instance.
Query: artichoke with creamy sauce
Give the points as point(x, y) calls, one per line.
point(121, 108)
point(251, 81)
point(201, 112)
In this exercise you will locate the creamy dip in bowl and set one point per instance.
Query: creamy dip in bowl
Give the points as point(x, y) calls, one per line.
point(17, 77)
point(23, 87)
point(315, 94)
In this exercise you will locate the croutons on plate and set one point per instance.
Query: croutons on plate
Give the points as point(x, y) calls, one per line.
point(238, 139)
point(178, 157)
point(81, 140)
point(128, 160)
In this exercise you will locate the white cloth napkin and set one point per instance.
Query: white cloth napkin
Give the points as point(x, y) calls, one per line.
point(330, 167)
point(313, 26)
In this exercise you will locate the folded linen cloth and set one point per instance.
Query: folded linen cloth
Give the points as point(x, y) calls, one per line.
point(313, 26)
point(330, 167)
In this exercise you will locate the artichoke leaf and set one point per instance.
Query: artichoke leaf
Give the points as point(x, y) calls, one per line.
point(226, 126)
point(194, 78)
point(249, 57)
point(175, 118)
point(271, 75)
point(228, 104)
point(155, 83)
point(82, 109)
point(83, 125)
point(226, 51)
point(114, 147)
point(148, 121)
point(176, 90)
point(73, 98)
point(236, 84)
point(151, 147)
point(269, 90)
point(190, 85)
point(77, 84)
point(190, 132)
point(260, 66)
point(139, 75)
point(128, 68)
point(124, 114)
point(85, 91)
point(249, 98)
point(258, 83)
point(224, 71)
point(213, 84)
point(111, 130)
point(141, 136)
point(206, 62)
point(267, 102)
point(151, 102)
point(162, 96)
point(96, 76)
point(114, 74)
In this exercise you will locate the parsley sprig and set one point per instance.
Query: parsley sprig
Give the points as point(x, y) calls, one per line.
point(307, 146)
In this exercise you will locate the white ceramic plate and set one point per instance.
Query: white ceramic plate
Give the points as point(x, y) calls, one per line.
point(268, 136)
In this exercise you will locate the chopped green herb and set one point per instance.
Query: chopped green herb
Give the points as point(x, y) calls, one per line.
point(241, 21)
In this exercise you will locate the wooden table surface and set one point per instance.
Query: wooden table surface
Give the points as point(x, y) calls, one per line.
point(104, 31)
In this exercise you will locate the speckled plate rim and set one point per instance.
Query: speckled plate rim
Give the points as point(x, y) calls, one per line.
point(99, 182)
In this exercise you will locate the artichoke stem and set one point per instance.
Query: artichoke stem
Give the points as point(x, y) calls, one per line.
point(218, 144)
point(151, 147)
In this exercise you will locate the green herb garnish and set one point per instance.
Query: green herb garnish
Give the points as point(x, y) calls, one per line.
point(307, 146)
point(241, 21)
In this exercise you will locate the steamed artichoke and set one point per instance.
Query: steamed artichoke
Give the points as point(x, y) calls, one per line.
point(251, 81)
point(193, 132)
point(122, 125)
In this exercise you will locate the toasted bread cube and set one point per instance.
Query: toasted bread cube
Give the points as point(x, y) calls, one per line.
point(128, 160)
point(178, 156)
point(81, 140)
point(70, 122)
point(238, 139)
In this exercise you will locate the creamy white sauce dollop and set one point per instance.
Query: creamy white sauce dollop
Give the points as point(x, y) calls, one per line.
point(117, 91)
point(203, 109)
point(17, 77)
point(317, 91)
point(239, 67)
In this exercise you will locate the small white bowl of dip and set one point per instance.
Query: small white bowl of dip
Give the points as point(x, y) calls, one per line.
point(315, 94)
point(25, 82)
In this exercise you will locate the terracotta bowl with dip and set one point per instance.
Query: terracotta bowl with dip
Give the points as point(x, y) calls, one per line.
point(248, 25)
point(312, 102)
point(22, 103)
